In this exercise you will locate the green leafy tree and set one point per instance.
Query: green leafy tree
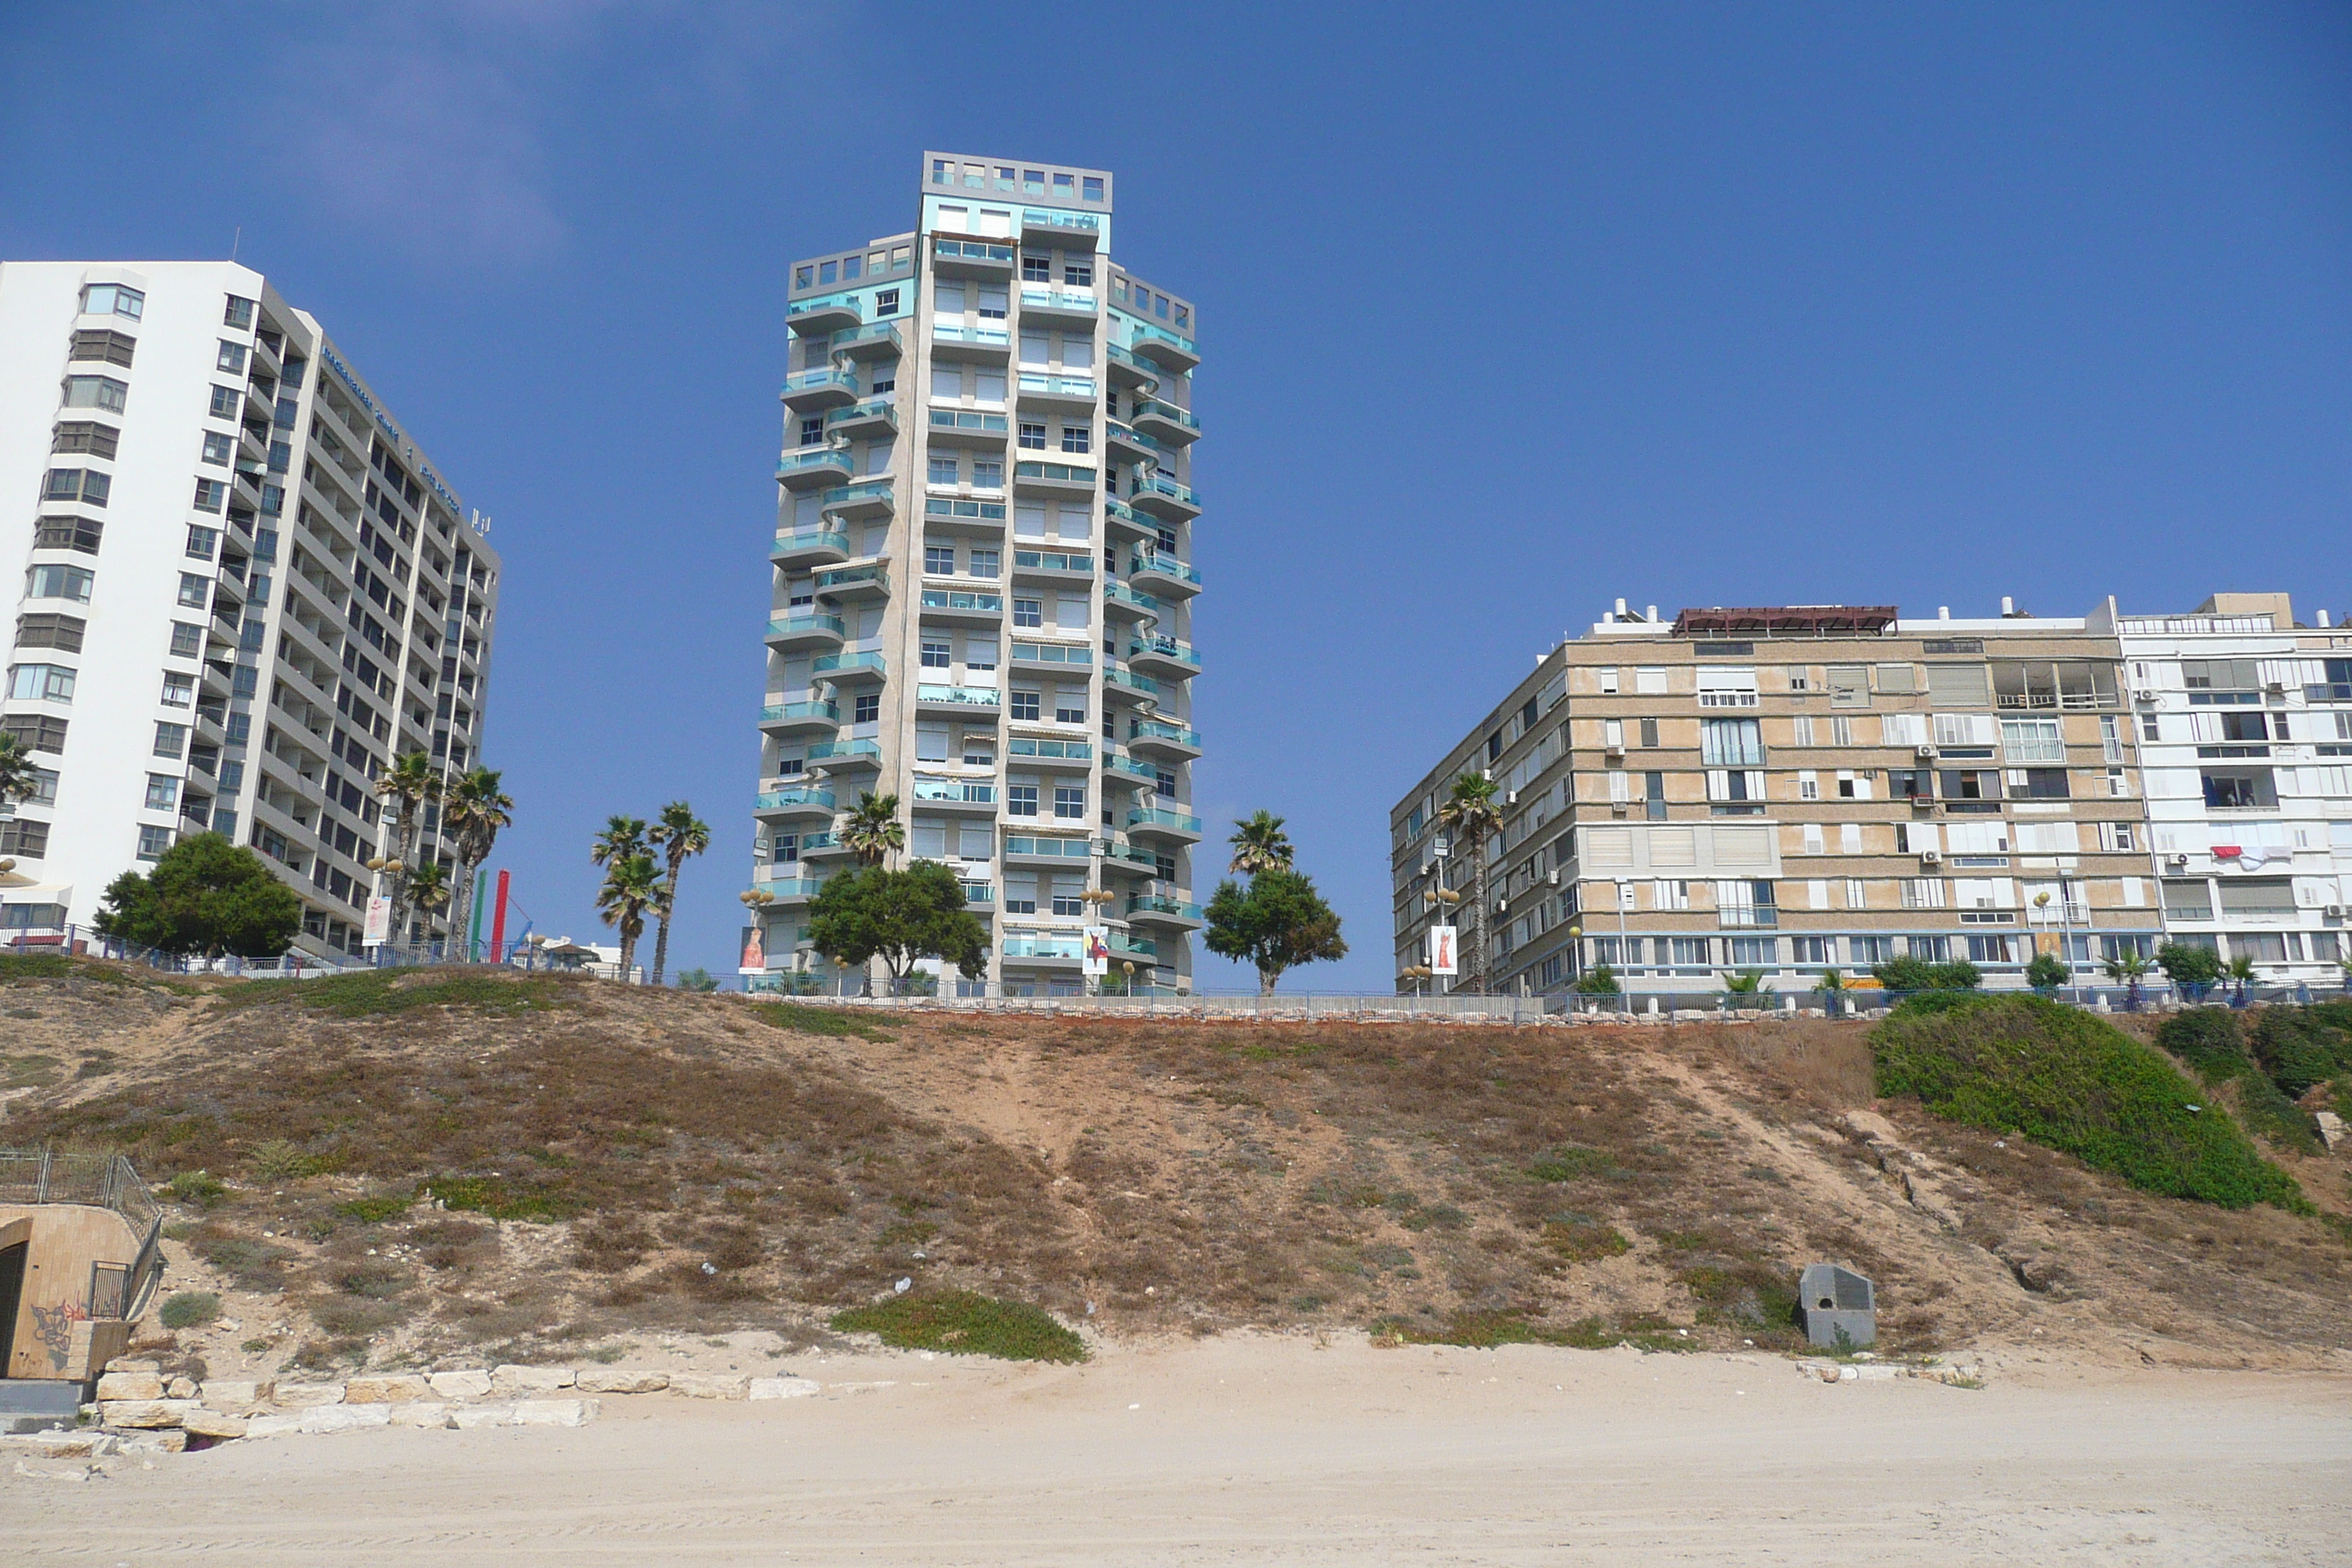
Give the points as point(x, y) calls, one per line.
point(679, 833)
point(1833, 986)
point(1599, 981)
point(696, 979)
point(631, 887)
point(204, 896)
point(899, 917)
point(1918, 975)
point(1259, 845)
point(874, 832)
point(622, 836)
point(2189, 965)
point(15, 771)
point(1745, 982)
point(1472, 814)
point(2047, 971)
point(474, 810)
point(1276, 921)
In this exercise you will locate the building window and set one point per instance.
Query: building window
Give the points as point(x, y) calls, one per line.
point(85, 436)
point(1070, 801)
point(196, 591)
point(225, 403)
point(886, 302)
point(163, 792)
point(939, 560)
point(95, 392)
point(202, 541)
point(867, 709)
point(87, 485)
point(170, 740)
point(988, 473)
point(983, 563)
point(231, 358)
point(103, 346)
point(179, 690)
point(58, 583)
point(1024, 705)
point(187, 640)
point(1654, 787)
point(218, 449)
point(1077, 438)
point(1036, 269)
point(81, 534)
point(1033, 436)
point(813, 430)
point(1028, 612)
point(944, 468)
point(239, 313)
point(113, 299)
point(1069, 705)
point(210, 495)
point(937, 655)
point(1021, 800)
point(40, 683)
point(2037, 784)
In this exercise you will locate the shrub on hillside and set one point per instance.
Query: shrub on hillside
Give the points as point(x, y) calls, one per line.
point(2207, 1038)
point(2298, 1048)
point(2064, 1079)
point(1918, 975)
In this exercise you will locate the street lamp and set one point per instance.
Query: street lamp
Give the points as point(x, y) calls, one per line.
point(1416, 974)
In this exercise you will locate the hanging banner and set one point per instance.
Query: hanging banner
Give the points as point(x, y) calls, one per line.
point(378, 921)
point(755, 952)
point(1095, 958)
point(1441, 952)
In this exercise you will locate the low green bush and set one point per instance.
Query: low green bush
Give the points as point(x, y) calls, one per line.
point(2207, 1038)
point(190, 1310)
point(2298, 1048)
point(963, 1323)
point(2068, 1080)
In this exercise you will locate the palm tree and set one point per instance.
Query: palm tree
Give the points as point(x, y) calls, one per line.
point(473, 810)
point(631, 887)
point(1472, 815)
point(1260, 845)
point(683, 834)
point(2240, 970)
point(15, 770)
point(2129, 967)
point(406, 785)
point(428, 888)
point(874, 830)
point(622, 836)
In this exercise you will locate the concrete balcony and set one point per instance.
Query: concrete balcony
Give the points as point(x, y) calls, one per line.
point(1128, 372)
point(1062, 394)
point(1045, 305)
point(1125, 767)
point(967, 797)
point(871, 420)
point(1056, 479)
point(810, 547)
point(789, 890)
point(812, 468)
point(1120, 523)
point(1169, 350)
point(985, 345)
point(1126, 686)
point(865, 499)
point(825, 845)
point(1165, 421)
point(953, 514)
point(1164, 657)
point(1122, 601)
point(782, 718)
point(1055, 658)
point(822, 318)
point(1060, 230)
point(881, 341)
point(1157, 822)
point(973, 258)
point(837, 756)
point(851, 668)
point(1122, 445)
point(971, 702)
point(815, 391)
point(1159, 738)
point(1025, 751)
point(968, 428)
point(1164, 576)
point(870, 580)
point(1054, 565)
point(1159, 909)
point(792, 801)
point(806, 629)
point(1163, 497)
point(953, 607)
point(1047, 851)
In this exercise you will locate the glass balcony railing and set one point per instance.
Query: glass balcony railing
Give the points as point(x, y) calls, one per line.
point(986, 337)
point(1046, 217)
point(806, 625)
point(1130, 681)
point(979, 511)
point(1152, 408)
point(1051, 653)
point(1120, 512)
point(822, 380)
point(1161, 485)
point(790, 888)
point(1157, 816)
point(1157, 904)
point(955, 791)
point(1121, 593)
point(845, 663)
point(1165, 647)
point(864, 494)
point(956, 599)
point(1056, 473)
point(807, 540)
point(811, 842)
point(828, 305)
point(1134, 855)
point(881, 333)
point(1053, 561)
point(1164, 566)
point(979, 893)
point(1142, 336)
point(1117, 430)
point(1133, 946)
point(839, 578)
point(962, 696)
point(1042, 947)
point(781, 712)
point(1067, 750)
point(972, 250)
point(1058, 385)
point(1073, 299)
point(1161, 729)
point(797, 796)
point(960, 419)
point(1054, 848)
point(873, 410)
point(814, 460)
point(847, 751)
point(1114, 760)
point(1125, 358)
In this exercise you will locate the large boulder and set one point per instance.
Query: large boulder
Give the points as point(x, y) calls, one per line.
point(397, 1388)
point(203, 1423)
point(345, 1417)
point(236, 1396)
point(710, 1385)
point(531, 1379)
point(554, 1412)
point(303, 1396)
point(621, 1380)
point(430, 1413)
point(472, 1384)
point(123, 1386)
point(146, 1414)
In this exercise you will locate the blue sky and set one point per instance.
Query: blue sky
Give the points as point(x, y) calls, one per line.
point(1506, 311)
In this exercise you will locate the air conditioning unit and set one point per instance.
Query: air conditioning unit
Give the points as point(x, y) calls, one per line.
point(1929, 751)
point(1552, 880)
point(2179, 862)
point(2275, 687)
point(1502, 906)
point(1620, 807)
point(1511, 797)
point(1616, 748)
point(1931, 857)
point(2142, 694)
point(2332, 912)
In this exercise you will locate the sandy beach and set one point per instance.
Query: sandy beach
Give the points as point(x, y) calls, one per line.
point(1277, 1450)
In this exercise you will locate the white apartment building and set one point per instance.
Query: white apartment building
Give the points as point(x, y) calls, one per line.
point(2244, 722)
point(235, 590)
point(983, 578)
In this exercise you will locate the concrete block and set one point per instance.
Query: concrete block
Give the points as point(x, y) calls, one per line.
point(59, 1445)
point(783, 1387)
point(555, 1412)
point(620, 1380)
point(235, 1395)
point(180, 1388)
point(426, 1412)
point(710, 1385)
point(203, 1423)
point(464, 1417)
point(123, 1386)
point(170, 1441)
point(272, 1427)
point(345, 1417)
point(398, 1388)
point(531, 1379)
point(469, 1384)
point(303, 1396)
point(1840, 1308)
point(126, 1363)
point(145, 1414)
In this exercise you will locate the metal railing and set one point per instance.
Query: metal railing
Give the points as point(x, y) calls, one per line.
point(97, 1181)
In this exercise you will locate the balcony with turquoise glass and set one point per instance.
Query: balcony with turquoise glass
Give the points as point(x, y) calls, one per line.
point(975, 700)
point(989, 345)
point(1164, 657)
point(983, 258)
point(1128, 372)
point(881, 341)
point(1041, 303)
point(961, 606)
point(1161, 497)
point(1169, 350)
point(1123, 945)
point(1122, 524)
point(789, 890)
point(813, 467)
point(968, 428)
point(1160, 739)
point(1158, 909)
point(1129, 859)
point(839, 756)
point(851, 668)
point(1042, 951)
point(1054, 656)
point(874, 420)
point(1057, 566)
point(811, 717)
point(866, 580)
point(1163, 575)
point(1058, 479)
point(1122, 685)
point(1063, 393)
point(810, 547)
point(1125, 767)
point(1123, 602)
point(1043, 849)
point(823, 316)
point(815, 391)
point(1159, 822)
point(1060, 230)
point(1165, 423)
point(865, 499)
point(801, 629)
point(960, 795)
point(824, 844)
point(1122, 445)
point(788, 801)
point(1029, 751)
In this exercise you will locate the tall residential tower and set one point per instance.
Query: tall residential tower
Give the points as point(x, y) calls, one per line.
point(235, 590)
point(982, 588)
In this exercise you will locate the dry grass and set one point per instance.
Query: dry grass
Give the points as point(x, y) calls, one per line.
point(531, 1172)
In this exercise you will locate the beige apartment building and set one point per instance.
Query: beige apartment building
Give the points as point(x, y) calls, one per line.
point(1792, 790)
